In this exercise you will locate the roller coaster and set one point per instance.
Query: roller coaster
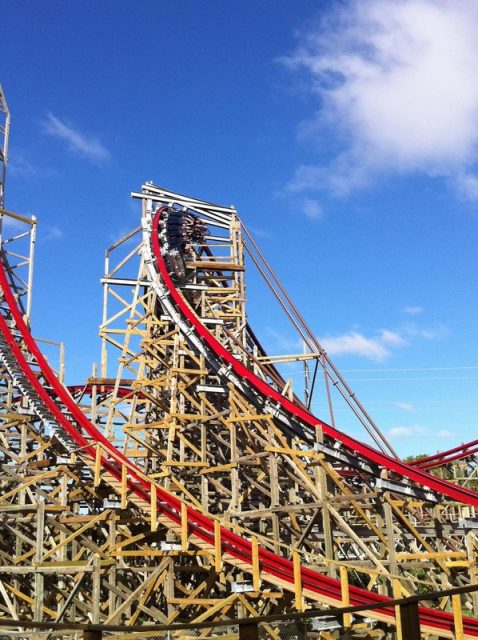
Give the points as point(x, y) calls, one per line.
point(185, 480)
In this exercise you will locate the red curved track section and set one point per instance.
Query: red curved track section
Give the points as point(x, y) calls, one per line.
point(202, 526)
point(460, 452)
point(400, 468)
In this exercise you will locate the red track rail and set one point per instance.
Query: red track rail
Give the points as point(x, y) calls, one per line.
point(169, 505)
point(401, 468)
point(459, 452)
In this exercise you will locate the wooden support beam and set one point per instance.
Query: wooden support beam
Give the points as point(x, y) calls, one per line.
point(184, 527)
point(458, 617)
point(217, 546)
point(249, 631)
point(409, 622)
point(154, 508)
point(256, 579)
point(299, 602)
point(97, 466)
point(344, 585)
point(124, 486)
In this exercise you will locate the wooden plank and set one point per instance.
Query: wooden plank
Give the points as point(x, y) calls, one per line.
point(217, 546)
point(256, 579)
point(299, 601)
point(458, 617)
point(97, 472)
point(344, 585)
point(184, 527)
point(124, 486)
point(154, 508)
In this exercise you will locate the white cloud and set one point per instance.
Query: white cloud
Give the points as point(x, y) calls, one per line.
point(258, 233)
point(404, 406)
point(416, 431)
point(413, 331)
point(400, 432)
point(312, 209)
point(356, 344)
point(443, 433)
point(412, 311)
point(467, 185)
point(285, 343)
point(397, 81)
point(86, 146)
point(53, 233)
point(391, 338)
point(22, 167)
point(380, 346)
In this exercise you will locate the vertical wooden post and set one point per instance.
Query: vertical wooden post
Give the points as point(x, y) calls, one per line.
point(409, 622)
point(473, 570)
point(39, 580)
point(256, 580)
point(458, 617)
point(397, 593)
point(90, 634)
point(96, 481)
point(217, 546)
point(323, 486)
point(96, 589)
point(124, 486)
point(297, 581)
point(249, 631)
point(154, 508)
point(344, 584)
point(184, 527)
point(390, 533)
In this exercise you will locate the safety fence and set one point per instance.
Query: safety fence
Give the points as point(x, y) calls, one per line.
point(405, 624)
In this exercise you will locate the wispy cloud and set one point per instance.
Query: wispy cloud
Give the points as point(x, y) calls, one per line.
point(412, 311)
point(404, 432)
point(20, 166)
point(416, 431)
point(405, 406)
point(52, 233)
point(312, 209)
point(285, 342)
point(356, 344)
point(84, 145)
point(259, 233)
point(380, 346)
point(376, 347)
point(392, 79)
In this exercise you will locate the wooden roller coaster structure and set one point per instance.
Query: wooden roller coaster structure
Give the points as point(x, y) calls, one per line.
point(185, 481)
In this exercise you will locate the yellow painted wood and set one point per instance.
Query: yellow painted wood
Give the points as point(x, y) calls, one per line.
point(457, 617)
point(299, 601)
point(217, 546)
point(154, 508)
point(184, 526)
point(124, 486)
point(397, 592)
point(97, 466)
point(256, 579)
point(344, 585)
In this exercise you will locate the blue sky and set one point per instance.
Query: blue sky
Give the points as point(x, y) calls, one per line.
point(346, 134)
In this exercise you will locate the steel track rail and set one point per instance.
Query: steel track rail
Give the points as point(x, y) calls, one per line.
point(59, 405)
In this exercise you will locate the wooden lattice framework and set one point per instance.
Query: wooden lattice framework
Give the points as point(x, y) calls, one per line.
point(78, 543)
